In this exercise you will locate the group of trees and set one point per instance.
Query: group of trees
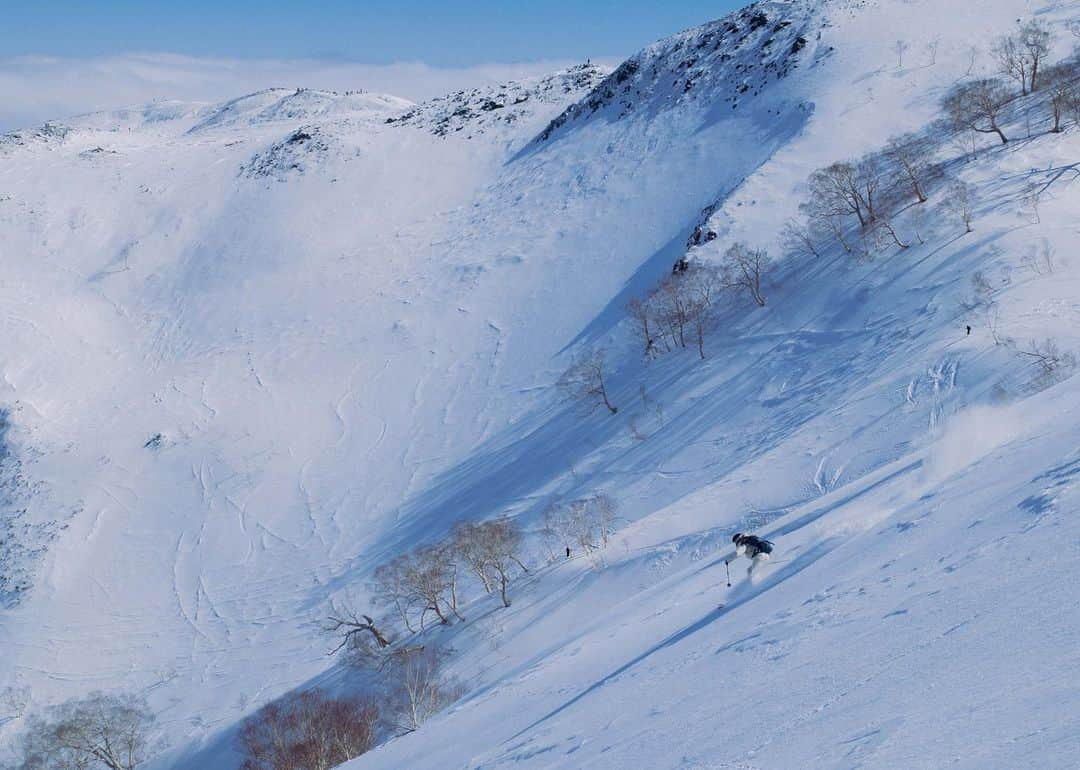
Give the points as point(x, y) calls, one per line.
point(425, 580)
point(854, 203)
point(682, 309)
point(311, 730)
point(979, 106)
point(308, 730)
point(583, 525)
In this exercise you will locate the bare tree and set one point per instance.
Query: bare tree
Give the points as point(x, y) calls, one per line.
point(1022, 53)
point(643, 315)
point(702, 286)
point(825, 217)
point(98, 731)
point(432, 574)
point(744, 268)
point(424, 579)
point(359, 634)
point(900, 47)
point(1063, 92)
point(1039, 258)
point(586, 523)
point(604, 512)
point(308, 731)
point(491, 551)
point(911, 157)
point(468, 542)
point(958, 203)
point(799, 238)
point(843, 190)
point(1010, 56)
point(1035, 40)
point(586, 380)
point(1052, 365)
point(983, 289)
point(14, 700)
point(977, 106)
point(392, 586)
point(931, 51)
point(671, 302)
point(420, 686)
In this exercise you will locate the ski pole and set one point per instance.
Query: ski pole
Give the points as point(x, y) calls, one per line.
point(728, 568)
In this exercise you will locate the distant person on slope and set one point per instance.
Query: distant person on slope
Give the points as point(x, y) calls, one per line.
point(753, 548)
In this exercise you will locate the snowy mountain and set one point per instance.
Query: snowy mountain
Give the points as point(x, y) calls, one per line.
point(255, 350)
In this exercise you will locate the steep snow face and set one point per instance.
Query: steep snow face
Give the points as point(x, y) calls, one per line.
point(240, 337)
point(258, 348)
point(717, 66)
point(917, 479)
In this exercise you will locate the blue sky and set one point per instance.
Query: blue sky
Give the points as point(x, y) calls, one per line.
point(60, 58)
point(441, 34)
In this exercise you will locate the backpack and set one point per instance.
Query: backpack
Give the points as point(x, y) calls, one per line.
point(756, 544)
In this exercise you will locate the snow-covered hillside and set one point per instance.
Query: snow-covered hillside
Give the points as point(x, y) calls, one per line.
point(253, 350)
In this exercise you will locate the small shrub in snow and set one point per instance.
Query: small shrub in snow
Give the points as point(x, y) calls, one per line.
point(308, 731)
point(1051, 363)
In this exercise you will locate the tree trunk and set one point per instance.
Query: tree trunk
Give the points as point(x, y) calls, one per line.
point(503, 583)
point(607, 403)
point(889, 229)
point(453, 600)
point(435, 606)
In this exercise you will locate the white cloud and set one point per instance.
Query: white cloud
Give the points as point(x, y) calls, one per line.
point(34, 89)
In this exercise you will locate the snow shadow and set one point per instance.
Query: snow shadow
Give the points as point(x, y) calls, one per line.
point(750, 591)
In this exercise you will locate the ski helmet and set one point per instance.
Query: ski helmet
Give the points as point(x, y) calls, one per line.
point(735, 537)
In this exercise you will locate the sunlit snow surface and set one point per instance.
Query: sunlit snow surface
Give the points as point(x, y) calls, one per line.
point(251, 350)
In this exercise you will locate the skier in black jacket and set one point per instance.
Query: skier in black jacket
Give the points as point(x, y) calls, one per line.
point(753, 548)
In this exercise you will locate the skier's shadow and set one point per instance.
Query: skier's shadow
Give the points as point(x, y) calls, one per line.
point(743, 594)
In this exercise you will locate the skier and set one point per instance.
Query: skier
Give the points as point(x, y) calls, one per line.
point(753, 548)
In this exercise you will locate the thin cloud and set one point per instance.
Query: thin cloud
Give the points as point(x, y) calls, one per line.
point(34, 89)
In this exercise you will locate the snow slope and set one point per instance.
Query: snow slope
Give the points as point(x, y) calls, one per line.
point(255, 349)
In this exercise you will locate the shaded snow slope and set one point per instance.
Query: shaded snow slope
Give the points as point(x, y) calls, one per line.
point(262, 346)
